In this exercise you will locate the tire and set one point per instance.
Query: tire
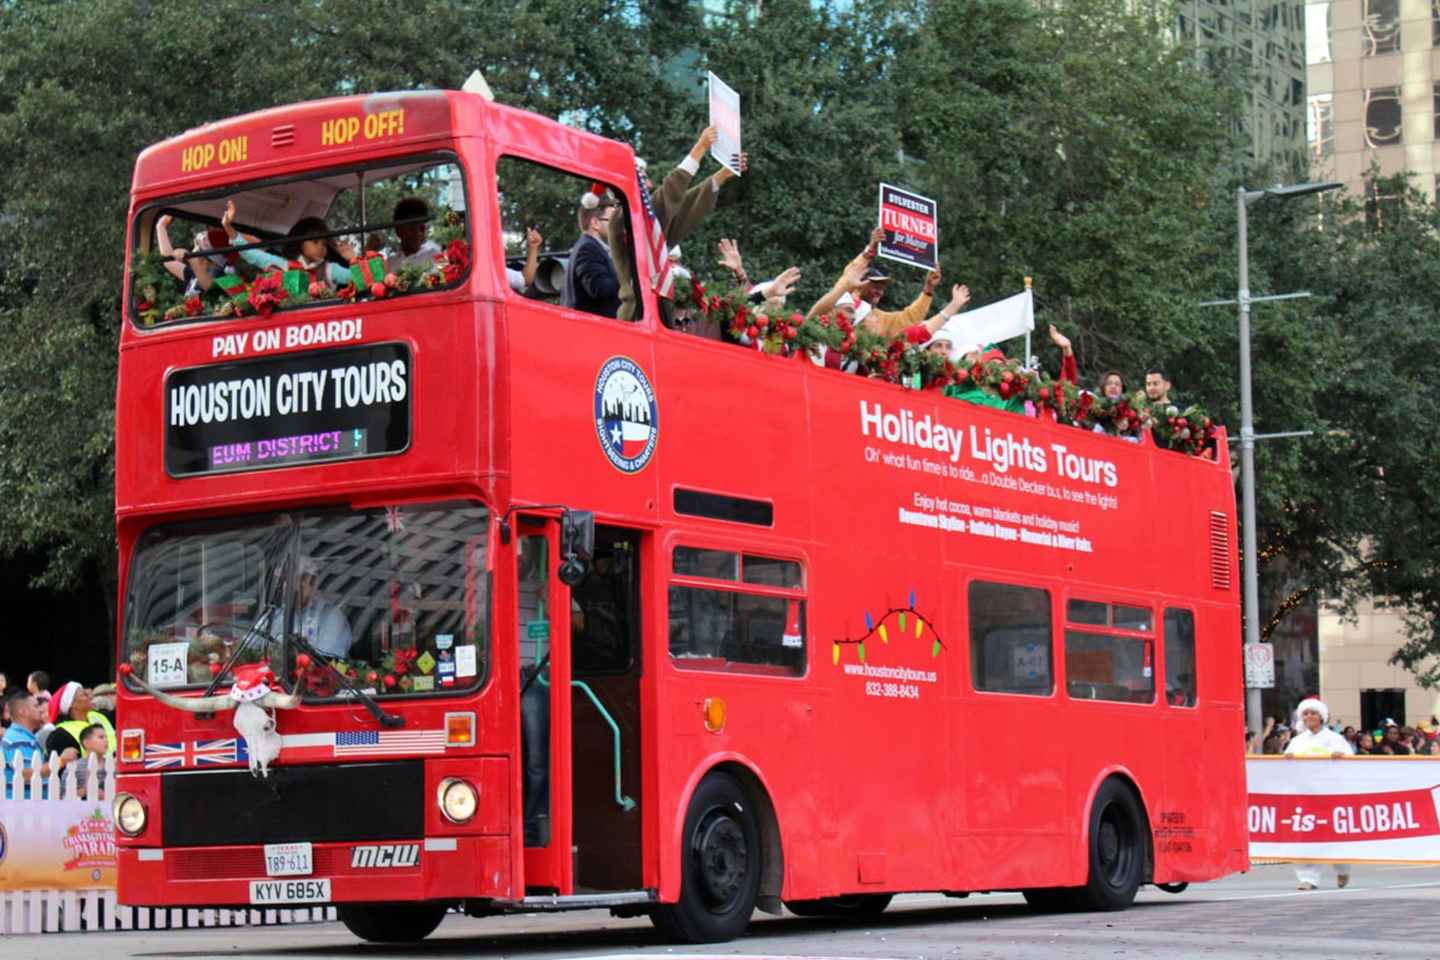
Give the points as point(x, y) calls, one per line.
point(1117, 849)
point(392, 923)
point(720, 866)
point(1173, 887)
point(856, 905)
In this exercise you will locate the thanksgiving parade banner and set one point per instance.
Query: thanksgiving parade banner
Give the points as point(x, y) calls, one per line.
point(1350, 809)
point(56, 845)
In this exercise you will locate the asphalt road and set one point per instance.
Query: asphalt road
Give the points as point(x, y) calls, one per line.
point(1391, 912)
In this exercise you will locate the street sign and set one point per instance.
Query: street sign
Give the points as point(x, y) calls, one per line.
point(1259, 666)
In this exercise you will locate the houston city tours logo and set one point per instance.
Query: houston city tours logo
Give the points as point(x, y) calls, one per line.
point(626, 416)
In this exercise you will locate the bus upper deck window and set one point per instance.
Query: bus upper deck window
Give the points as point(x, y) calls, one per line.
point(334, 237)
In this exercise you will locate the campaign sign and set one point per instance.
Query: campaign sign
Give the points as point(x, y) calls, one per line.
point(320, 405)
point(725, 118)
point(912, 227)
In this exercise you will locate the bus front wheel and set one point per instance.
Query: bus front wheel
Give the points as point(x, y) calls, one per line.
point(857, 905)
point(392, 923)
point(720, 869)
point(1117, 849)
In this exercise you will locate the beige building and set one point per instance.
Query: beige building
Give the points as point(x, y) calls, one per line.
point(1372, 72)
point(1357, 681)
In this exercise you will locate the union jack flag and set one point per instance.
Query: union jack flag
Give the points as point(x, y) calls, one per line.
point(195, 753)
point(657, 253)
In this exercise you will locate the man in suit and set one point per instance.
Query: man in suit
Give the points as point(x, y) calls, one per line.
point(679, 207)
point(591, 281)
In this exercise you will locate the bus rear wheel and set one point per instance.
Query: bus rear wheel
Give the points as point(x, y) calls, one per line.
point(857, 905)
point(393, 922)
point(1117, 849)
point(720, 869)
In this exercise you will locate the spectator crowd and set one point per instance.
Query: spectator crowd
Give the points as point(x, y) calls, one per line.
point(1388, 739)
point(49, 730)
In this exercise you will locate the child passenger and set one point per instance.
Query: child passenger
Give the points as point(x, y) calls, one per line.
point(312, 255)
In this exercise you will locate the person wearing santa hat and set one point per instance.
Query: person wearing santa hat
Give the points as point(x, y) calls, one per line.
point(1314, 739)
point(72, 710)
point(591, 282)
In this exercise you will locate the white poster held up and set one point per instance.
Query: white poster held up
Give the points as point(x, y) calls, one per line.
point(992, 323)
point(725, 118)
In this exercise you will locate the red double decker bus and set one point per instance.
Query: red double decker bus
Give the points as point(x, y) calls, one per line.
point(437, 594)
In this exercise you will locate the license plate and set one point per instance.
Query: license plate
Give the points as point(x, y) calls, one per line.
point(289, 891)
point(288, 860)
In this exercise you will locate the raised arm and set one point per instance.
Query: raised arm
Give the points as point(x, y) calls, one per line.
point(533, 242)
point(162, 243)
point(959, 296)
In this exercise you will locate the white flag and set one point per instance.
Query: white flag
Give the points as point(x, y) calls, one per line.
point(1011, 317)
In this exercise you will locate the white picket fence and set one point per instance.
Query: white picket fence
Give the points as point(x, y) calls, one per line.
point(67, 911)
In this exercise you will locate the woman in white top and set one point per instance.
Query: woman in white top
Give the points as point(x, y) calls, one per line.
point(1314, 739)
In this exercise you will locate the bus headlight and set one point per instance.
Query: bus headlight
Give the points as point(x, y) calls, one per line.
point(458, 800)
point(129, 814)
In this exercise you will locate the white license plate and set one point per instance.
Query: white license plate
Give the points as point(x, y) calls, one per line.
point(289, 891)
point(288, 860)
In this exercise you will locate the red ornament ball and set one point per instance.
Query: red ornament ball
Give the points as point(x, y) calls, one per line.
point(389, 682)
point(215, 669)
point(317, 290)
point(125, 669)
point(391, 280)
point(303, 661)
point(377, 290)
point(372, 676)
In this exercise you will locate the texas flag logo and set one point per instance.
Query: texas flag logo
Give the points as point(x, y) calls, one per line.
point(626, 416)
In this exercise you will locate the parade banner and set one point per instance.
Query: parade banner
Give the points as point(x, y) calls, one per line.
point(912, 227)
point(725, 118)
point(56, 845)
point(1347, 810)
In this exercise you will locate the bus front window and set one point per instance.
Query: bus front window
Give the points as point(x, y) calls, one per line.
point(393, 601)
point(336, 236)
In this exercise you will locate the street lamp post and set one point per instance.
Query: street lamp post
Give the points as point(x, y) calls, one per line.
point(1243, 199)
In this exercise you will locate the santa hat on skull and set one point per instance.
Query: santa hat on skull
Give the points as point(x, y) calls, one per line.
point(252, 681)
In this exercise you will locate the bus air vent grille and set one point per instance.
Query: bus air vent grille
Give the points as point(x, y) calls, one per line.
point(283, 135)
point(1221, 553)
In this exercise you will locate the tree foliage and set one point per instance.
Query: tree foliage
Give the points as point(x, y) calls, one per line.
point(1074, 143)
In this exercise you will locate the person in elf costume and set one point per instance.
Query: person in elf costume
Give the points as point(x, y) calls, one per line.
point(1314, 739)
point(313, 256)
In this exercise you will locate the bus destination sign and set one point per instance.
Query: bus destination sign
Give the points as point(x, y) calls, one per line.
point(284, 411)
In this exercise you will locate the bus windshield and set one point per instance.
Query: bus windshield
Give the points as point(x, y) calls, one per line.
point(395, 599)
point(339, 235)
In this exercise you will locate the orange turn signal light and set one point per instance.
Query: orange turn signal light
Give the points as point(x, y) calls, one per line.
point(132, 746)
point(459, 729)
point(714, 714)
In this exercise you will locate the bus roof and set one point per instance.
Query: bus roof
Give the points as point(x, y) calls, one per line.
point(348, 128)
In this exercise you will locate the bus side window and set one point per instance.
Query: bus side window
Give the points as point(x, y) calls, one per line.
point(1010, 639)
point(733, 628)
point(547, 209)
point(1180, 658)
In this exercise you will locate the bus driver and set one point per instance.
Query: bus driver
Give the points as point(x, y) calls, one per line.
point(318, 621)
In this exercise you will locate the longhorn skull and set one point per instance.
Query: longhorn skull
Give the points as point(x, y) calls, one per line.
point(254, 703)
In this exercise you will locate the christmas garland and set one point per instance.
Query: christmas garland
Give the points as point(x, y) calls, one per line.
point(905, 361)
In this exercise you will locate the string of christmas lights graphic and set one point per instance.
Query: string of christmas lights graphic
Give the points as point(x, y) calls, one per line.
point(874, 627)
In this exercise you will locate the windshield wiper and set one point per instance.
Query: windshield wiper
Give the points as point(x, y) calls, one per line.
point(370, 703)
point(251, 633)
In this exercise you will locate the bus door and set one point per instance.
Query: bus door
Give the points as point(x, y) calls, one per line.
point(542, 624)
point(580, 699)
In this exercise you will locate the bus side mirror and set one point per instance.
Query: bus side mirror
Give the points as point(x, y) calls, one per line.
point(577, 545)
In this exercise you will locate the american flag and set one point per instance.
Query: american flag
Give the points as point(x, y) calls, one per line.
point(370, 742)
point(657, 254)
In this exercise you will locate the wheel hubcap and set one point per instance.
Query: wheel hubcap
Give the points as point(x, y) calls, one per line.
point(1115, 847)
point(721, 859)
